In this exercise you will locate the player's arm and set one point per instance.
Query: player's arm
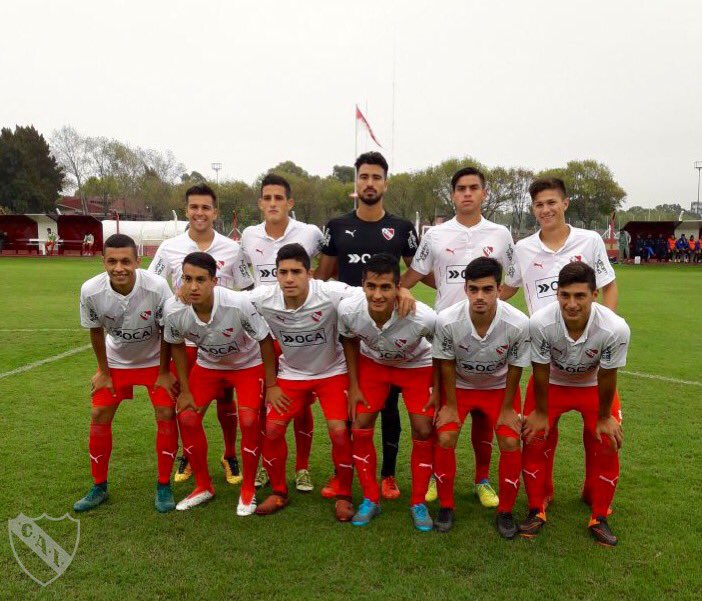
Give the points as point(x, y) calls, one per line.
point(180, 358)
point(507, 292)
point(410, 277)
point(274, 394)
point(607, 425)
point(508, 416)
point(165, 378)
point(610, 295)
point(537, 421)
point(326, 267)
point(435, 392)
point(449, 412)
point(351, 352)
point(102, 378)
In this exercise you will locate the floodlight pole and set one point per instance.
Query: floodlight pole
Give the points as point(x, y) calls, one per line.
point(216, 167)
point(698, 166)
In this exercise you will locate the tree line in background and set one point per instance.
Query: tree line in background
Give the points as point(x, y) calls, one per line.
point(33, 173)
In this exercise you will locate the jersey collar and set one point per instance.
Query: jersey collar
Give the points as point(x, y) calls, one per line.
point(215, 305)
point(288, 229)
point(546, 249)
point(125, 297)
point(495, 321)
point(586, 331)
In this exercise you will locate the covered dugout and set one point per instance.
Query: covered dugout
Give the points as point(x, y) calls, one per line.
point(19, 230)
point(73, 228)
point(148, 235)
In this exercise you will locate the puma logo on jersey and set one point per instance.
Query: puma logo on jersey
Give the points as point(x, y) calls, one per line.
point(350, 232)
point(539, 265)
point(145, 315)
point(451, 250)
point(258, 250)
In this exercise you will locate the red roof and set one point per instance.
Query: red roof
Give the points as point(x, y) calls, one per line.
point(96, 206)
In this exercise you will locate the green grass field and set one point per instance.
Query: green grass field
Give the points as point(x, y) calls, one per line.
point(129, 551)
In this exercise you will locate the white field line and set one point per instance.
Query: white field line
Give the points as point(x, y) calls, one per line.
point(638, 374)
point(42, 330)
point(29, 366)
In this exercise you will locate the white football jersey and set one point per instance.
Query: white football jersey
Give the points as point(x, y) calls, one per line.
point(131, 322)
point(447, 248)
point(308, 335)
point(400, 342)
point(536, 267)
point(604, 343)
point(481, 363)
point(261, 250)
point(229, 340)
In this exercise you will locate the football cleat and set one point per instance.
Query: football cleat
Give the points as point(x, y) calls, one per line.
point(231, 470)
point(432, 494)
point(389, 488)
point(444, 520)
point(421, 518)
point(195, 498)
point(367, 510)
point(184, 470)
point(599, 528)
point(486, 494)
point(261, 477)
point(272, 504)
point(303, 481)
point(329, 491)
point(506, 525)
point(96, 495)
point(244, 509)
point(343, 509)
point(534, 521)
point(164, 500)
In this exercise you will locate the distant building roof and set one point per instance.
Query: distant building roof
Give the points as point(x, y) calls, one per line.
point(96, 206)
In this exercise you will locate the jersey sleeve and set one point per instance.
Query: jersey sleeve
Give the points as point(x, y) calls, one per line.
point(427, 318)
point(240, 271)
point(252, 322)
point(159, 265)
point(172, 332)
point(88, 315)
point(520, 351)
point(410, 247)
point(513, 273)
point(328, 246)
point(338, 291)
point(442, 347)
point(317, 240)
point(540, 347)
point(345, 324)
point(164, 294)
point(614, 352)
point(600, 263)
point(424, 257)
point(243, 243)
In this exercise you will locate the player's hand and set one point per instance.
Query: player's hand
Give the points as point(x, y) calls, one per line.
point(510, 418)
point(169, 382)
point(432, 401)
point(276, 398)
point(101, 380)
point(535, 424)
point(185, 402)
point(406, 303)
point(610, 428)
point(446, 415)
point(354, 396)
point(182, 295)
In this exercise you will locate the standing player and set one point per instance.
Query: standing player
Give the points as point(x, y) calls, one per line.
point(383, 350)
point(350, 240)
point(537, 261)
point(126, 303)
point(482, 344)
point(577, 345)
point(232, 272)
point(229, 333)
point(50, 244)
point(444, 252)
point(261, 244)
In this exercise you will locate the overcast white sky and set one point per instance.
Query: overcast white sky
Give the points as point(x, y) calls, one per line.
point(250, 84)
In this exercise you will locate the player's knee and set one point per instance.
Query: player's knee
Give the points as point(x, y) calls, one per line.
point(508, 443)
point(447, 439)
point(421, 430)
point(189, 419)
point(101, 415)
point(248, 418)
point(164, 414)
point(275, 429)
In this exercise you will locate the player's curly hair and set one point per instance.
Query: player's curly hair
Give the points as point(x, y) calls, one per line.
point(372, 158)
point(577, 272)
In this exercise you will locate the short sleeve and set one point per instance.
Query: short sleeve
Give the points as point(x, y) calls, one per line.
point(423, 258)
point(252, 321)
point(600, 263)
point(513, 273)
point(328, 246)
point(338, 291)
point(520, 350)
point(164, 294)
point(171, 329)
point(442, 347)
point(159, 265)
point(540, 347)
point(616, 347)
point(345, 326)
point(240, 271)
point(411, 243)
point(317, 241)
point(88, 315)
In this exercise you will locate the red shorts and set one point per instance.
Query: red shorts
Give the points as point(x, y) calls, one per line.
point(331, 392)
point(488, 402)
point(561, 399)
point(123, 382)
point(376, 380)
point(209, 384)
point(191, 354)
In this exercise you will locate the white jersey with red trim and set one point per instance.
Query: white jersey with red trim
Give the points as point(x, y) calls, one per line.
point(309, 335)
point(536, 267)
point(400, 342)
point(131, 322)
point(447, 248)
point(481, 363)
point(604, 343)
point(229, 340)
point(261, 250)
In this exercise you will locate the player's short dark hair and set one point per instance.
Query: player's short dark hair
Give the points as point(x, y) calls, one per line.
point(273, 179)
point(484, 267)
point(372, 158)
point(382, 263)
point(577, 272)
point(201, 190)
point(293, 252)
point(547, 183)
point(467, 171)
point(203, 261)
point(120, 241)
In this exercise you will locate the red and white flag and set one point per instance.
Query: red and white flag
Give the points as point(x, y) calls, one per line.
point(364, 121)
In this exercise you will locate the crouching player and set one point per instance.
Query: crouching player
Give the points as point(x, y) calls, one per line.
point(482, 344)
point(126, 303)
point(577, 346)
point(394, 351)
point(232, 341)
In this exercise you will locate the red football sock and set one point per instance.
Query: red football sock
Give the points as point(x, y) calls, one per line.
point(275, 454)
point(510, 472)
point(589, 443)
point(421, 464)
point(304, 428)
point(166, 448)
point(100, 448)
point(550, 452)
point(364, 458)
point(445, 474)
point(534, 472)
point(251, 443)
point(481, 435)
point(605, 476)
point(343, 460)
point(226, 414)
point(195, 446)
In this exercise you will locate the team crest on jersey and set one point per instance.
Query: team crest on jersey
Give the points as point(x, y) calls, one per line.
point(388, 233)
point(487, 250)
point(501, 349)
point(145, 315)
point(576, 259)
point(400, 342)
point(228, 333)
point(316, 316)
point(591, 352)
point(220, 264)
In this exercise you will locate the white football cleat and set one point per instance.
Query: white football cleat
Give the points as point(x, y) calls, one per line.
point(195, 498)
point(242, 509)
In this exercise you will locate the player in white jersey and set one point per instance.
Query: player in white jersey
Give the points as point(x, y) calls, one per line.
point(483, 345)
point(233, 341)
point(122, 308)
point(444, 252)
point(232, 272)
point(261, 244)
point(577, 345)
point(384, 350)
point(537, 261)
